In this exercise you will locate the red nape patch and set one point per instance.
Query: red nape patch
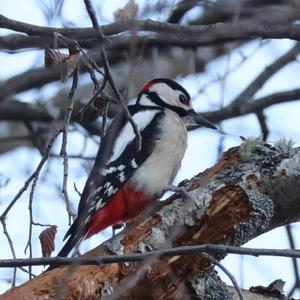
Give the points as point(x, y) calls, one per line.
point(147, 86)
point(126, 205)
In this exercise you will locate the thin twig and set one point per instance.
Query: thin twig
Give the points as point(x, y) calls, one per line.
point(75, 156)
point(176, 251)
point(294, 261)
point(179, 189)
point(12, 249)
point(101, 37)
point(225, 270)
point(30, 208)
point(266, 74)
point(40, 224)
point(32, 176)
point(63, 151)
point(76, 190)
point(261, 117)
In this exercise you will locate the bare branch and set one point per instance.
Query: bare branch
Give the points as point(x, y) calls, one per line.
point(108, 74)
point(176, 251)
point(63, 152)
point(264, 76)
point(226, 271)
point(12, 249)
point(203, 33)
point(260, 104)
point(242, 196)
point(34, 175)
point(235, 30)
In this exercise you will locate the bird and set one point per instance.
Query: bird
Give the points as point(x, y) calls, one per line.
point(126, 178)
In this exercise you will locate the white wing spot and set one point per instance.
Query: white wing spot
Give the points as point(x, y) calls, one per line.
point(133, 164)
point(121, 176)
point(110, 191)
point(107, 185)
point(108, 171)
point(99, 204)
point(96, 192)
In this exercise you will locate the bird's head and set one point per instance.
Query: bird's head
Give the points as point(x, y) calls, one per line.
point(168, 94)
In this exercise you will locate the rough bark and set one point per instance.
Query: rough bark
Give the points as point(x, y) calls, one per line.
point(251, 190)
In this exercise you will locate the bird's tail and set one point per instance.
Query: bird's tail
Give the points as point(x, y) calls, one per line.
point(64, 252)
point(67, 248)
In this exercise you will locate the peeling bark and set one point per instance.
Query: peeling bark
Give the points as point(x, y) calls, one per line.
point(249, 191)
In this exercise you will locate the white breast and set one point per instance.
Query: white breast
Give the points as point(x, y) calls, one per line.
point(161, 167)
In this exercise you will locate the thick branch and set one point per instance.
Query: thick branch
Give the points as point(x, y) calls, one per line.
point(250, 106)
point(38, 77)
point(250, 191)
point(266, 74)
point(14, 110)
point(204, 33)
point(19, 111)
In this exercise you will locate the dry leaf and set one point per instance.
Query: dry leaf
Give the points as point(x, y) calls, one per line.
point(69, 66)
point(53, 57)
point(68, 62)
point(47, 240)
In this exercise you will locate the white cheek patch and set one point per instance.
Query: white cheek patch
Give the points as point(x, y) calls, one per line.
point(141, 119)
point(168, 95)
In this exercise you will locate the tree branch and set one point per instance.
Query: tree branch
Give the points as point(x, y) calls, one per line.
point(20, 111)
point(250, 106)
point(266, 74)
point(250, 191)
point(204, 33)
point(135, 257)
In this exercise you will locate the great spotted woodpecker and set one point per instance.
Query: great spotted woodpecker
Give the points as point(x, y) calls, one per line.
point(125, 180)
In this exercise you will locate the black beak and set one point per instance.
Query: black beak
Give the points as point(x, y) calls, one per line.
point(193, 121)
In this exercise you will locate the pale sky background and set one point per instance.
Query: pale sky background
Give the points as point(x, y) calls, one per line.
point(283, 121)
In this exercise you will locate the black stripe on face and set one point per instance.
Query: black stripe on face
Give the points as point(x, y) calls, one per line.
point(157, 100)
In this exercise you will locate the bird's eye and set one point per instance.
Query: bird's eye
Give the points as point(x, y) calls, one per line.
point(183, 99)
